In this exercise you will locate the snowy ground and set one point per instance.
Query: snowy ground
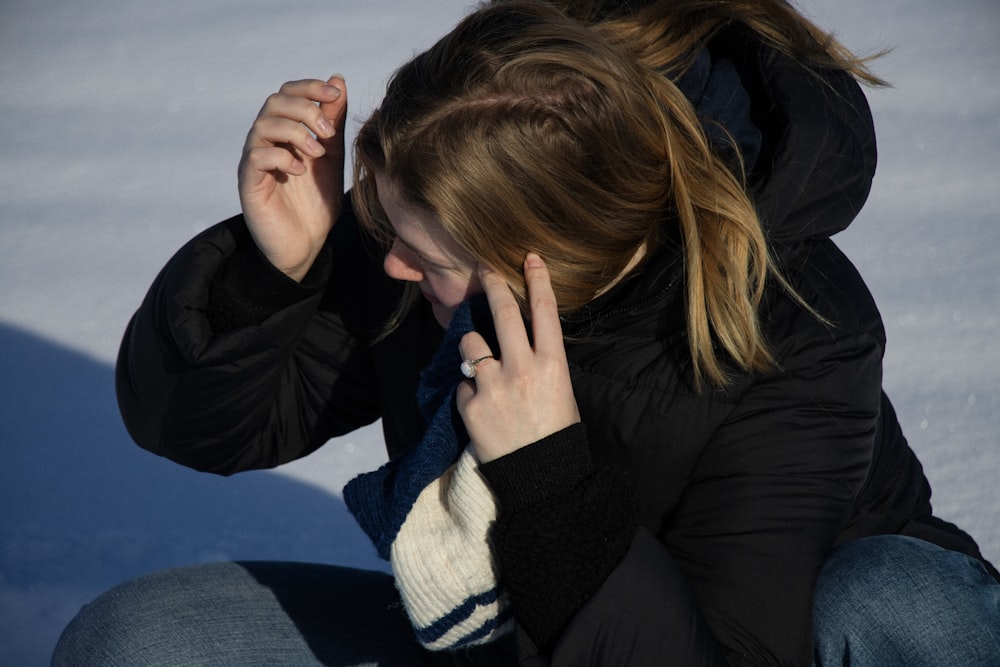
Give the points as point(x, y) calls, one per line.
point(120, 127)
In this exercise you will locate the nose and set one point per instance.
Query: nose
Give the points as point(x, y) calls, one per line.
point(401, 264)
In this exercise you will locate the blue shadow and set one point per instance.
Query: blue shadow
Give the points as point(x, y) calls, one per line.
point(83, 508)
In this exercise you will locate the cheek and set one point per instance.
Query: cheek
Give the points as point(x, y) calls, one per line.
point(453, 289)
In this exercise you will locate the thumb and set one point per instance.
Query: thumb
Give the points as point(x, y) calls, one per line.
point(336, 110)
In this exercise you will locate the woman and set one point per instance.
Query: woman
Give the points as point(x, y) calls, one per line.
point(605, 270)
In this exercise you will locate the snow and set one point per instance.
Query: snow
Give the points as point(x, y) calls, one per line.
point(120, 127)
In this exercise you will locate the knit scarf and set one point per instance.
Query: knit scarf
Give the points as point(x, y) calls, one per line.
point(429, 512)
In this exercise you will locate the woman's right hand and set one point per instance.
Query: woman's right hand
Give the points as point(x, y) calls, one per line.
point(291, 175)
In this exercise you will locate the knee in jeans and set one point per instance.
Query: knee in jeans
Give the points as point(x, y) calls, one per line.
point(858, 571)
point(855, 602)
point(902, 599)
point(875, 570)
point(97, 634)
point(120, 626)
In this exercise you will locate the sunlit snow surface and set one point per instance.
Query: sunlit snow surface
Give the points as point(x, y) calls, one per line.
point(120, 127)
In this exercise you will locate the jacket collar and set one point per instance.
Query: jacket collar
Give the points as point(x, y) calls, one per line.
point(638, 301)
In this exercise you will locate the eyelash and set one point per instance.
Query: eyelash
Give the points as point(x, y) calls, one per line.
point(431, 266)
point(427, 264)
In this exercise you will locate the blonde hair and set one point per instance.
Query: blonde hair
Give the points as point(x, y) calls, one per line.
point(524, 130)
point(663, 34)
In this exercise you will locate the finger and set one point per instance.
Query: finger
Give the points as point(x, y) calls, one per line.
point(274, 131)
point(464, 392)
point(298, 111)
point(512, 337)
point(274, 158)
point(544, 310)
point(474, 348)
point(335, 110)
point(316, 90)
point(301, 103)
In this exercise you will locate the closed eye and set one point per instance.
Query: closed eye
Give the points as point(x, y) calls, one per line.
point(425, 261)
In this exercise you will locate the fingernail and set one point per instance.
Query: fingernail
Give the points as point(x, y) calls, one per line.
point(332, 91)
point(533, 260)
point(325, 126)
point(315, 148)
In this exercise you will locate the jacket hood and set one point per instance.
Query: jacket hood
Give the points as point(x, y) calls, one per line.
point(818, 149)
point(812, 176)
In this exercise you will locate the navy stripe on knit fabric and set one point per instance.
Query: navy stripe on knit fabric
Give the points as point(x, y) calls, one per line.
point(440, 627)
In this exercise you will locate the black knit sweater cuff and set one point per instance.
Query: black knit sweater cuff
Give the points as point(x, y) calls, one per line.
point(550, 467)
point(563, 527)
point(249, 289)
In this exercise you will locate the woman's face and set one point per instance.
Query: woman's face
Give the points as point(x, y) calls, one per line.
point(423, 253)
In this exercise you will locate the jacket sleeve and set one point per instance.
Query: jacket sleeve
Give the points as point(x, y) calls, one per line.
point(228, 365)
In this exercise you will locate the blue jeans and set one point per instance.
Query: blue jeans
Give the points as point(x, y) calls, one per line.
point(895, 600)
point(256, 613)
point(882, 601)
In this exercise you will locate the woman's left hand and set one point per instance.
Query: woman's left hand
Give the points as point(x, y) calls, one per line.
point(525, 394)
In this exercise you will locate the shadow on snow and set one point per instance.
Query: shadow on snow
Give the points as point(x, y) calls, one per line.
point(85, 508)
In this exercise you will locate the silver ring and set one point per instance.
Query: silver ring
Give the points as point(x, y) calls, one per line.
point(468, 366)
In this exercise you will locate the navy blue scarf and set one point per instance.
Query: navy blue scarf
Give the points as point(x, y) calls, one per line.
point(380, 500)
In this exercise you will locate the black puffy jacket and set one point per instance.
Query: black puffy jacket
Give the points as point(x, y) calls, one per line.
point(676, 527)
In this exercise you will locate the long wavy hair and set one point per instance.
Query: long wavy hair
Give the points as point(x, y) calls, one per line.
point(663, 34)
point(529, 130)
